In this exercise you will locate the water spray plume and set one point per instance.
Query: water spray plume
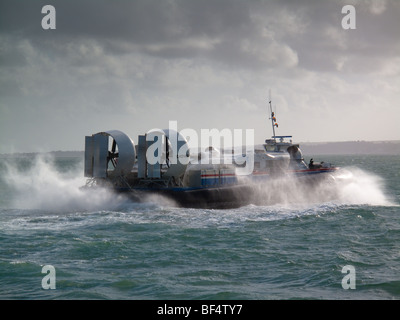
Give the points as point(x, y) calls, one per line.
point(42, 185)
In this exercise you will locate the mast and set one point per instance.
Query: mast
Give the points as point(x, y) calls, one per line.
point(273, 119)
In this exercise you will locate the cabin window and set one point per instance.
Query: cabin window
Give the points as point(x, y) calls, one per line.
point(269, 148)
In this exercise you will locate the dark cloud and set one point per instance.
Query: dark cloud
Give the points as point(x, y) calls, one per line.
point(169, 29)
point(255, 34)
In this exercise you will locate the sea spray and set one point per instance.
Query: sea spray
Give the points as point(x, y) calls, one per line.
point(357, 186)
point(39, 184)
point(348, 186)
point(42, 183)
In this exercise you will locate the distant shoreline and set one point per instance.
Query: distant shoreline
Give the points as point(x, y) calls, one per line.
point(391, 147)
point(56, 154)
point(352, 147)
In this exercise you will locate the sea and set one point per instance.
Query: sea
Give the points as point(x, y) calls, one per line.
point(59, 241)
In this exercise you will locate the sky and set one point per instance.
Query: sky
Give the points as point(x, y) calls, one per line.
point(136, 65)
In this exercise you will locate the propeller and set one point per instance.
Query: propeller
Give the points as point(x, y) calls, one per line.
point(112, 155)
point(166, 151)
